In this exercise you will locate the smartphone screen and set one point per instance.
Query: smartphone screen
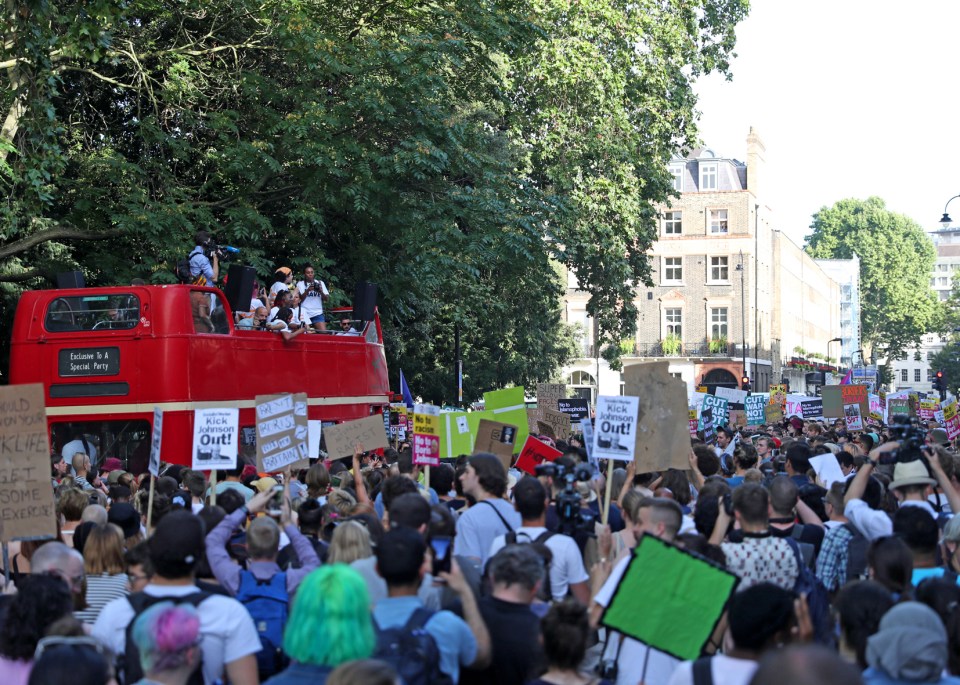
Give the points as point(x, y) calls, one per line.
point(441, 554)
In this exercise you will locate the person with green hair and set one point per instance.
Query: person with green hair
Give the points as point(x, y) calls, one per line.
point(329, 624)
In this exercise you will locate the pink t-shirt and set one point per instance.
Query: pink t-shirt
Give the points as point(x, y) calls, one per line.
point(14, 671)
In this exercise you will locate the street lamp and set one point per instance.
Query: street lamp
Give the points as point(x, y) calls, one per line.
point(836, 340)
point(945, 219)
point(743, 319)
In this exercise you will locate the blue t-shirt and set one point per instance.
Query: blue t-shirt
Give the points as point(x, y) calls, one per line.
point(480, 525)
point(454, 640)
point(921, 574)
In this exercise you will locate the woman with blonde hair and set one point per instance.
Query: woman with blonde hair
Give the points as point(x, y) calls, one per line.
point(351, 541)
point(105, 569)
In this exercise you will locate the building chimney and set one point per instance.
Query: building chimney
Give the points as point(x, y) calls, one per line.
point(755, 161)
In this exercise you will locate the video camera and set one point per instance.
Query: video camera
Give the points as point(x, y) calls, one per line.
point(573, 518)
point(222, 252)
point(912, 437)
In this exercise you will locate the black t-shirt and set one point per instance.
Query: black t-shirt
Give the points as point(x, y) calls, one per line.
point(514, 639)
point(812, 535)
point(287, 558)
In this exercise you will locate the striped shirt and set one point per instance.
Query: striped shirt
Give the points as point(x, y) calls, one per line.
point(101, 590)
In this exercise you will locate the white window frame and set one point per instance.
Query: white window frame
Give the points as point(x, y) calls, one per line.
point(717, 225)
point(668, 325)
point(673, 220)
point(904, 375)
point(665, 273)
point(709, 176)
point(711, 266)
point(916, 375)
point(719, 328)
point(676, 171)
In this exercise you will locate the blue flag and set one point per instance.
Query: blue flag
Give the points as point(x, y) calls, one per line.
point(405, 391)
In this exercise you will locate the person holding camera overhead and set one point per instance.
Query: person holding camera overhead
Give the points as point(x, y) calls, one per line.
point(204, 270)
point(313, 294)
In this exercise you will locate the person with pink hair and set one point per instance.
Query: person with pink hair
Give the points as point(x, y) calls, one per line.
point(167, 636)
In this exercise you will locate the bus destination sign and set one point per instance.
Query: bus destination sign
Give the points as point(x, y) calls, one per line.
point(89, 361)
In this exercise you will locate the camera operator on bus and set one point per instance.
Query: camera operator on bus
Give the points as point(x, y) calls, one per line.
point(313, 294)
point(203, 271)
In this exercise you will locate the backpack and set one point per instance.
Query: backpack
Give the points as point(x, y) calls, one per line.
point(807, 550)
point(129, 661)
point(818, 599)
point(703, 671)
point(540, 547)
point(856, 553)
point(268, 603)
point(412, 651)
point(182, 270)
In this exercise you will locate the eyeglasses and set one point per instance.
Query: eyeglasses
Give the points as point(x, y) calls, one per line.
point(133, 578)
point(60, 641)
point(75, 582)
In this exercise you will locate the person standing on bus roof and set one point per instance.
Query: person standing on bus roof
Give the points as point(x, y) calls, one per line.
point(200, 264)
point(282, 278)
point(313, 294)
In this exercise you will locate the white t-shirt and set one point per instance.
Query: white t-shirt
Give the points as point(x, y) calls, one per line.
point(226, 629)
point(312, 302)
point(567, 565)
point(725, 671)
point(660, 666)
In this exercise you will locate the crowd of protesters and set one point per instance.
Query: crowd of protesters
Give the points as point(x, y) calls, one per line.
point(359, 570)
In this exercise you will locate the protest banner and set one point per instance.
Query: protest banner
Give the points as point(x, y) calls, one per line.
point(216, 438)
point(772, 413)
point(851, 412)
point(951, 421)
point(575, 407)
point(720, 408)
point(156, 439)
point(679, 622)
point(663, 440)
point(548, 395)
point(455, 435)
point(755, 405)
point(509, 406)
point(27, 509)
point(778, 395)
point(827, 469)
point(897, 407)
point(343, 437)
point(426, 434)
point(811, 409)
point(927, 408)
point(282, 433)
point(692, 423)
point(533, 453)
point(731, 395)
point(498, 439)
point(873, 419)
point(615, 430)
point(559, 423)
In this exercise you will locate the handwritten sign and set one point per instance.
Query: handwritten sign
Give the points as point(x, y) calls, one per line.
point(155, 440)
point(533, 453)
point(283, 432)
point(26, 499)
point(496, 438)
point(343, 437)
point(548, 394)
point(732, 395)
point(558, 422)
point(426, 435)
point(216, 438)
point(615, 431)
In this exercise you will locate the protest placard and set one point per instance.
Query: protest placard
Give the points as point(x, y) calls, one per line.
point(282, 431)
point(937, 416)
point(156, 439)
point(693, 423)
point(732, 395)
point(498, 439)
point(533, 453)
point(851, 412)
point(548, 395)
point(772, 413)
point(314, 433)
point(927, 408)
point(27, 509)
point(509, 406)
point(720, 408)
point(663, 439)
point(778, 395)
point(533, 416)
point(709, 430)
point(343, 437)
point(615, 430)
point(951, 420)
point(737, 418)
point(455, 435)
point(897, 406)
point(558, 422)
point(216, 438)
point(426, 435)
point(882, 395)
point(586, 427)
point(827, 469)
point(679, 622)
point(812, 409)
point(575, 407)
point(754, 405)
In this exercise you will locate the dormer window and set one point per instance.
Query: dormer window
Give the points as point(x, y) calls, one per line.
point(708, 176)
point(676, 170)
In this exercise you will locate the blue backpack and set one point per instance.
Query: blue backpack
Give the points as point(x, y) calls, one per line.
point(268, 603)
point(411, 650)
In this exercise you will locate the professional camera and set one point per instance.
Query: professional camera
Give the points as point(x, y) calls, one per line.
point(222, 252)
point(911, 436)
point(573, 519)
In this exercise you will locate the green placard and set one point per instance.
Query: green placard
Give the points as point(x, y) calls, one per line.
point(507, 406)
point(669, 599)
point(455, 435)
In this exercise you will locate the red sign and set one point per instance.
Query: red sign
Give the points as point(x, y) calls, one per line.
point(535, 453)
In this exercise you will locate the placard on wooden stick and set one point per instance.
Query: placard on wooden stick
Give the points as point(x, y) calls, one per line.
point(496, 438)
point(663, 436)
point(26, 499)
point(282, 431)
point(343, 437)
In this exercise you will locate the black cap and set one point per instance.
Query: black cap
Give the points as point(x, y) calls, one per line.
point(176, 546)
point(125, 516)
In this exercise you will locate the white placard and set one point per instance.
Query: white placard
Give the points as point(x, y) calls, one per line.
point(314, 431)
point(851, 412)
point(215, 438)
point(586, 427)
point(615, 429)
point(462, 425)
point(827, 468)
point(732, 395)
point(156, 438)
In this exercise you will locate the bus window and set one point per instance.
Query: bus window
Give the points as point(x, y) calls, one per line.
point(127, 440)
point(209, 316)
point(93, 313)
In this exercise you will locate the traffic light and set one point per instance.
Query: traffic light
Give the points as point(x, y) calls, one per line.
point(940, 383)
point(745, 383)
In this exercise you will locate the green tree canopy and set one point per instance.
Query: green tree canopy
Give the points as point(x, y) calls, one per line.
point(896, 260)
point(454, 152)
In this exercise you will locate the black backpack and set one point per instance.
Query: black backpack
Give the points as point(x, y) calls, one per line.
point(818, 599)
point(856, 553)
point(129, 662)
point(412, 651)
point(182, 269)
point(540, 547)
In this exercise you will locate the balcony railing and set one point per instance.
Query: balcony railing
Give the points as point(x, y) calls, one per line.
point(655, 350)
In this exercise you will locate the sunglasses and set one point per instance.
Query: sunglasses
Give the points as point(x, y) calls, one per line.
point(55, 641)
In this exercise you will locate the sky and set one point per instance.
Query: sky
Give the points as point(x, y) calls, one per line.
point(851, 99)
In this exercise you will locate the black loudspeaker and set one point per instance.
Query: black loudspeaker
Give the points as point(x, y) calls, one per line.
point(364, 301)
point(71, 279)
point(239, 289)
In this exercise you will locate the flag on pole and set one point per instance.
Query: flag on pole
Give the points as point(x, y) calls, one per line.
point(405, 391)
point(846, 379)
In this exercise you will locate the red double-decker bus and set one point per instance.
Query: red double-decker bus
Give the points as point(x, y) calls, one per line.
point(108, 356)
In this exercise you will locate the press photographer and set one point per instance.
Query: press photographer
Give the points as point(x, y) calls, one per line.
point(313, 294)
point(568, 514)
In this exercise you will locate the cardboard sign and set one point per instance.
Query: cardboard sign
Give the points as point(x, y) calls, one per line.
point(951, 420)
point(455, 435)
point(662, 437)
point(155, 440)
point(835, 397)
point(548, 395)
point(533, 453)
point(509, 406)
point(534, 416)
point(772, 413)
point(558, 422)
point(737, 418)
point(216, 438)
point(851, 412)
point(754, 405)
point(282, 431)
point(812, 409)
point(686, 615)
point(720, 408)
point(343, 437)
point(27, 509)
point(498, 439)
point(575, 407)
point(426, 435)
point(732, 395)
point(778, 395)
point(615, 430)
point(545, 430)
point(314, 433)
